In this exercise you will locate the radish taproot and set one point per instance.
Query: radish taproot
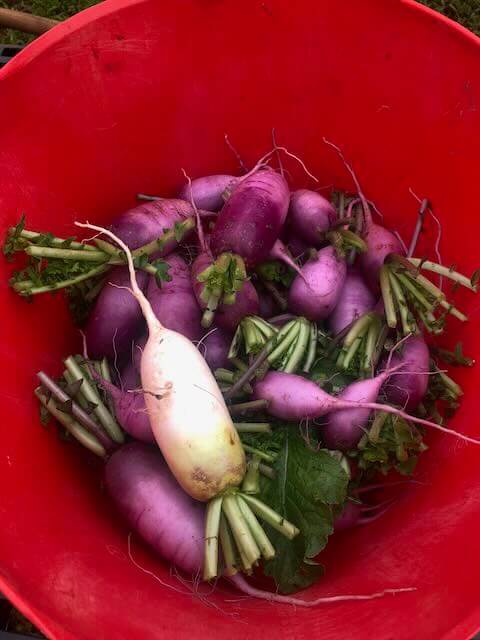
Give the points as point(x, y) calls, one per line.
point(293, 398)
point(201, 446)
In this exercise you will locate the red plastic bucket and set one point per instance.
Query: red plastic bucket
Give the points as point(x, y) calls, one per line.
point(116, 101)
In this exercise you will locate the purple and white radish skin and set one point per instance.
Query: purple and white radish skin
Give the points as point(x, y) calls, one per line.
point(355, 300)
point(188, 415)
point(294, 398)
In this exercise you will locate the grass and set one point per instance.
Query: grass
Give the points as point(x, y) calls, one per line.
point(467, 12)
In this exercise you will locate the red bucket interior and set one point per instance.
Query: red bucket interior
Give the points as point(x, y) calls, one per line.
point(115, 102)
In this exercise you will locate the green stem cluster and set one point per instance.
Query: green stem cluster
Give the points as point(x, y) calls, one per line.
point(410, 297)
point(289, 349)
point(60, 263)
point(232, 524)
point(363, 344)
point(76, 403)
point(221, 282)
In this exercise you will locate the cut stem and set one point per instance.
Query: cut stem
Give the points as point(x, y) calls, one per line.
point(388, 300)
point(312, 348)
point(266, 548)
point(241, 531)
point(76, 410)
point(101, 411)
point(85, 438)
point(251, 481)
point(228, 548)
point(273, 518)
point(257, 452)
point(253, 427)
point(56, 242)
point(66, 254)
point(245, 407)
point(300, 349)
point(212, 525)
point(443, 271)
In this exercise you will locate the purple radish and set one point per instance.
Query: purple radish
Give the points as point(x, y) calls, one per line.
point(149, 221)
point(155, 506)
point(344, 429)
point(355, 300)
point(408, 389)
point(229, 316)
point(252, 218)
point(293, 398)
point(174, 302)
point(116, 318)
point(316, 293)
point(209, 192)
point(215, 348)
point(129, 408)
point(129, 377)
point(310, 216)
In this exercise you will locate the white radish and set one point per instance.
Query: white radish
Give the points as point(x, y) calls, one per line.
point(188, 415)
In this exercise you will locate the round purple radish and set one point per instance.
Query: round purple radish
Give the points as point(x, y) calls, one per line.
point(267, 307)
point(316, 293)
point(215, 348)
point(116, 319)
point(246, 303)
point(355, 300)
point(407, 388)
point(310, 216)
point(380, 243)
point(348, 518)
point(252, 218)
point(208, 192)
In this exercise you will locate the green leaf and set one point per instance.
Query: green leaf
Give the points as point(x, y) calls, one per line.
point(308, 484)
point(162, 268)
point(13, 242)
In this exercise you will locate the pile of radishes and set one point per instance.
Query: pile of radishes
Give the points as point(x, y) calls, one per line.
point(228, 311)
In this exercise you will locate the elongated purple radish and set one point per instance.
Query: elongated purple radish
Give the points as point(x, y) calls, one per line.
point(208, 192)
point(310, 215)
point(174, 302)
point(145, 223)
point(280, 252)
point(344, 429)
point(129, 378)
point(154, 505)
point(407, 391)
point(201, 447)
point(251, 220)
point(293, 398)
point(229, 316)
point(116, 318)
point(355, 300)
point(316, 294)
point(215, 347)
